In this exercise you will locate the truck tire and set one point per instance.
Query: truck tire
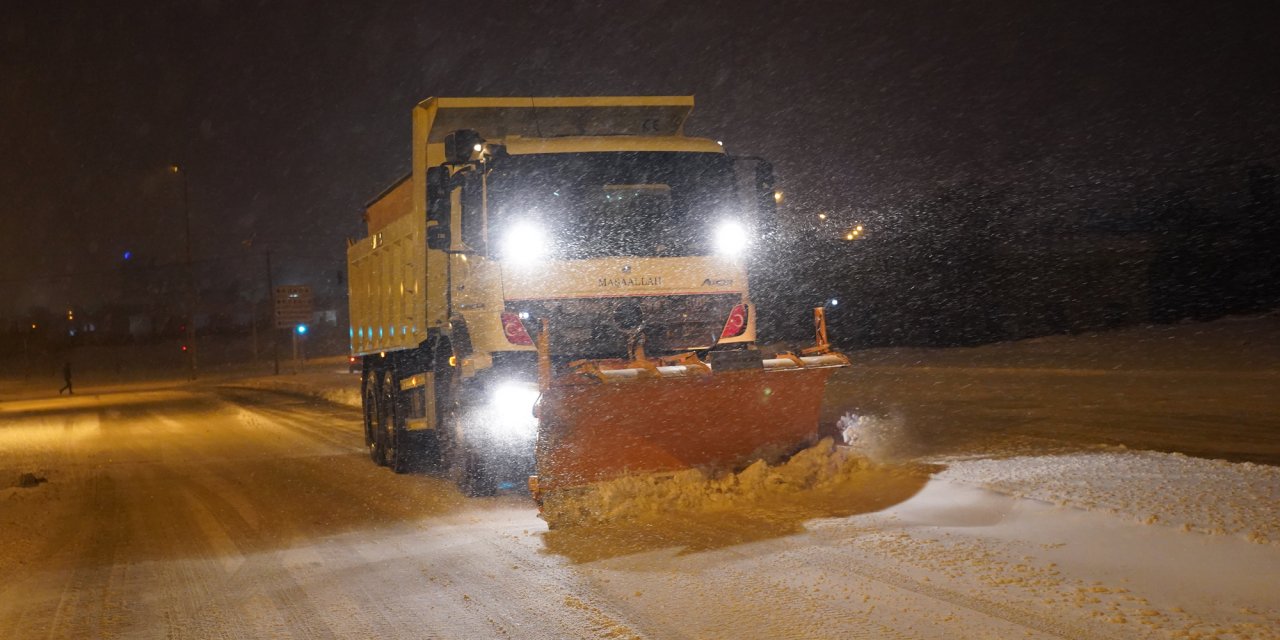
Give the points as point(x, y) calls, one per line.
point(469, 471)
point(465, 465)
point(395, 439)
point(372, 418)
point(455, 456)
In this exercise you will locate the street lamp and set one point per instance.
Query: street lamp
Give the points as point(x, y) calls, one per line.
point(192, 295)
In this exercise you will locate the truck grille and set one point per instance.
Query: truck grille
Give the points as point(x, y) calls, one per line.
point(599, 327)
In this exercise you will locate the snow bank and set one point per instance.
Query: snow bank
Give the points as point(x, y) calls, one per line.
point(820, 468)
point(340, 389)
point(877, 437)
point(1236, 343)
point(1207, 496)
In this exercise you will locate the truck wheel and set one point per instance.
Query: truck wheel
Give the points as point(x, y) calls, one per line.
point(366, 407)
point(394, 437)
point(372, 419)
point(473, 477)
point(466, 466)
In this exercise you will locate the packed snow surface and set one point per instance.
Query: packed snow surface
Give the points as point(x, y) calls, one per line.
point(1205, 496)
point(1106, 486)
point(813, 472)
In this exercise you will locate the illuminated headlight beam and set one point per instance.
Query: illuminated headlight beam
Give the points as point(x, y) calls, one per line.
point(730, 238)
point(510, 411)
point(524, 243)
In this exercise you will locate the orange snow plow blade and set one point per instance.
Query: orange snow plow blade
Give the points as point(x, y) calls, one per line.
point(608, 423)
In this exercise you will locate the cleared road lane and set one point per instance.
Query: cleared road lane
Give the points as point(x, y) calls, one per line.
point(244, 514)
point(235, 513)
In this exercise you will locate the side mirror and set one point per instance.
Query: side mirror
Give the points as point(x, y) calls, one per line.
point(497, 154)
point(766, 201)
point(461, 144)
point(438, 208)
point(472, 227)
point(760, 174)
point(438, 237)
point(438, 195)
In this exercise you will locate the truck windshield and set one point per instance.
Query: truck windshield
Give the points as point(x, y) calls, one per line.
point(590, 205)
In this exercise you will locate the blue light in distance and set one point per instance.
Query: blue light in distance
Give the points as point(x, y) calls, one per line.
point(302, 329)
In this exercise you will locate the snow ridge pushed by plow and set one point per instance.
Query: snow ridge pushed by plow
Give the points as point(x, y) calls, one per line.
point(816, 471)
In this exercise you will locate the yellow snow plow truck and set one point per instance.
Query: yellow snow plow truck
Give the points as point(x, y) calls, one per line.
point(558, 294)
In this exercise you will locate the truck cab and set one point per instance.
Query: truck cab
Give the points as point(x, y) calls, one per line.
point(611, 240)
point(595, 216)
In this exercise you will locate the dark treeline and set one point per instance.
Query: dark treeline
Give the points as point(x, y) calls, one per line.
point(971, 263)
point(965, 264)
point(1214, 260)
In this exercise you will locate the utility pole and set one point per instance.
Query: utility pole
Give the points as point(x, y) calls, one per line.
point(253, 329)
point(271, 326)
point(26, 357)
point(193, 297)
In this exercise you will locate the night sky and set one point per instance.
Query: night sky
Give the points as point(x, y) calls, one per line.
point(289, 116)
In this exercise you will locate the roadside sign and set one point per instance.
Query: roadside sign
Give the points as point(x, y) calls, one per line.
point(292, 306)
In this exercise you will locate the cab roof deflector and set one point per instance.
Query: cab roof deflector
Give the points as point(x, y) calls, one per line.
point(498, 118)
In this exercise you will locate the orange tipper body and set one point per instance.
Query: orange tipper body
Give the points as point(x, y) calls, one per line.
point(606, 423)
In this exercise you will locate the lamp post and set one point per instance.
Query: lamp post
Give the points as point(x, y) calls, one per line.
point(192, 296)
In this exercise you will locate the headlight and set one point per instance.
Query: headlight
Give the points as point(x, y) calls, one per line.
point(524, 243)
point(511, 410)
point(730, 238)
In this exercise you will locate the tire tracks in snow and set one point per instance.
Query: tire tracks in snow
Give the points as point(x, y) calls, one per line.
point(851, 561)
point(454, 576)
point(347, 439)
point(518, 584)
point(93, 548)
point(458, 569)
point(983, 606)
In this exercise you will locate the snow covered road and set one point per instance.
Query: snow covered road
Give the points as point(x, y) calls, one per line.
point(245, 514)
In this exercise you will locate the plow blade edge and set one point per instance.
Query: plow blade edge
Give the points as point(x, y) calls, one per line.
point(592, 430)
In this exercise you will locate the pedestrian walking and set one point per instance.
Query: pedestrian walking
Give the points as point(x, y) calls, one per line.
point(66, 375)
